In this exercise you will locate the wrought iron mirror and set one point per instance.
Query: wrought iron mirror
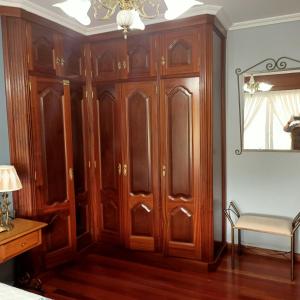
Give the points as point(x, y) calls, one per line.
point(269, 105)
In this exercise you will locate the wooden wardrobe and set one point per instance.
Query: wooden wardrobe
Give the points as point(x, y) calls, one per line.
point(119, 141)
point(159, 124)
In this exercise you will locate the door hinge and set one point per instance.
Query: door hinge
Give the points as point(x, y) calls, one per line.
point(156, 89)
point(30, 86)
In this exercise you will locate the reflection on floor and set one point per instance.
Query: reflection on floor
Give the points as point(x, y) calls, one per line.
point(99, 277)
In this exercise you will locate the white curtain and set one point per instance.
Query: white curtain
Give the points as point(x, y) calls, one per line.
point(265, 115)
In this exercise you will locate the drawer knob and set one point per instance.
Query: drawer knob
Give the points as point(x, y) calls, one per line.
point(23, 244)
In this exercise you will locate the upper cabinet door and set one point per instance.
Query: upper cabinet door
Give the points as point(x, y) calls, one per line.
point(43, 50)
point(109, 61)
point(141, 188)
point(180, 52)
point(141, 58)
point(180, 148)
point(72, 58)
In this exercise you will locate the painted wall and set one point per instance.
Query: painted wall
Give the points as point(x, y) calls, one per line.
point(260, 182)
point(6, 270)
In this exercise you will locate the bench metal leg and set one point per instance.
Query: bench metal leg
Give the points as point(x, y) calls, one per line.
point(239, 242)
point(292, 256)
point(232, 247)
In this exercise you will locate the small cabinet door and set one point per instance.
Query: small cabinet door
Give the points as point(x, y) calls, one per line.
point(43, 50)
point(180, 134)
point(109, 157)
point(72, 58)
point(140, 178)
point(109, 61)
point(80, 161)
point(141, 56)
point(180, 52)
point(52, 140)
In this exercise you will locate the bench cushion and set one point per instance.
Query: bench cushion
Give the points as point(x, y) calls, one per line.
point(263, 223)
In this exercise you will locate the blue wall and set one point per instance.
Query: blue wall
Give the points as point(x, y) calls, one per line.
point(6, 270)
point(261, 182)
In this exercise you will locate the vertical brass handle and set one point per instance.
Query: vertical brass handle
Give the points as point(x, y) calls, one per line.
point(119, 169)
point(71, 174)
point(124, 64)
point(62, 62)
point(125, 170)
point(164, 171)
point(119, 65)
point(163, 61)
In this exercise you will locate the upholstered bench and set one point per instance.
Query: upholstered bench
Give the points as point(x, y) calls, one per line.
point(261, 223)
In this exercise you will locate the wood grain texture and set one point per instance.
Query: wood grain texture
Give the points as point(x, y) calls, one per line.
point(96, 277)
point(18, 110)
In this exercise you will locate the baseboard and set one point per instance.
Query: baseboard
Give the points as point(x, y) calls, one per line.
point(265, 252)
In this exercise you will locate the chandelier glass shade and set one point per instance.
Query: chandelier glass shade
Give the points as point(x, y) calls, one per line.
point(253, 86)
point(129, 12)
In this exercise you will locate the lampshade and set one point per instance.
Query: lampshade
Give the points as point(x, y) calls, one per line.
point(9, 180)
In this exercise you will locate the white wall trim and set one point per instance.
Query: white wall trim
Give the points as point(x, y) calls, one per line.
point(265, 21)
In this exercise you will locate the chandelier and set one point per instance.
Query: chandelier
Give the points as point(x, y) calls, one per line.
point(253, 86)
point(130, 12)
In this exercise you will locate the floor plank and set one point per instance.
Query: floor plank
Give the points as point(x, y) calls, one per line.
point(98, 277)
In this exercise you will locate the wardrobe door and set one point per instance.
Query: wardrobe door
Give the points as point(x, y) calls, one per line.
point(54, 166)
point(180, 52)
point(109, 60)
point(72, 59)
point(43, 49)
point(180, 166)
point(108, 137)
point(80, 161)
point(141, 59)
point(140, 178)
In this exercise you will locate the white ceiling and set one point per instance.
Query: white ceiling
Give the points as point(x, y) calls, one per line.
point(234, 14)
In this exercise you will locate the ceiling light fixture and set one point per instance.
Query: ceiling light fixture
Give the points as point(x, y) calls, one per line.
point(253, 86)
point(130, 11)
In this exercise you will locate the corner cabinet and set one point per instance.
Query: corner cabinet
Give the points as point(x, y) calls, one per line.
point(123, 141)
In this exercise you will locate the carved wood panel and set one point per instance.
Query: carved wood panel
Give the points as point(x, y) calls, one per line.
point(140, 187)
point(51, 116)
point(139, 143)
point(108, 60)
point(180, 159)
point(110, 159)
point(42, 49)
point(141, 58)
point(180, 52)
point(73, 66)
point(180, 142)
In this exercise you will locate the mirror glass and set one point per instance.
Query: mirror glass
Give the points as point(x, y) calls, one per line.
point(271, 110)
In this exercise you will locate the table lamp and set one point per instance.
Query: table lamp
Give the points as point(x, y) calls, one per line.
point(9, 182)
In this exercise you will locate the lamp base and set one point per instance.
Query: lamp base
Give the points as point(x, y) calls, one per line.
point(6, 227)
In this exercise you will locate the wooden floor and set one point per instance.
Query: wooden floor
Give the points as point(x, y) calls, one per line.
point(99, 277)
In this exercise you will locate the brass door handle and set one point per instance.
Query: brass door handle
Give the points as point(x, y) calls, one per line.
point(62, 62)
point(119, 65)
point(125, 169)
point(71, 175)
point(163, 61)
point(164, 171)
point(119, 169)
point(124, 64)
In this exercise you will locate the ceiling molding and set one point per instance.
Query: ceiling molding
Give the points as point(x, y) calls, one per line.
point(74, 25)
point(45, 13)
point(265, 21)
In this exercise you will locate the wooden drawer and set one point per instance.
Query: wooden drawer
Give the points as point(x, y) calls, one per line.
point(20, 245)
